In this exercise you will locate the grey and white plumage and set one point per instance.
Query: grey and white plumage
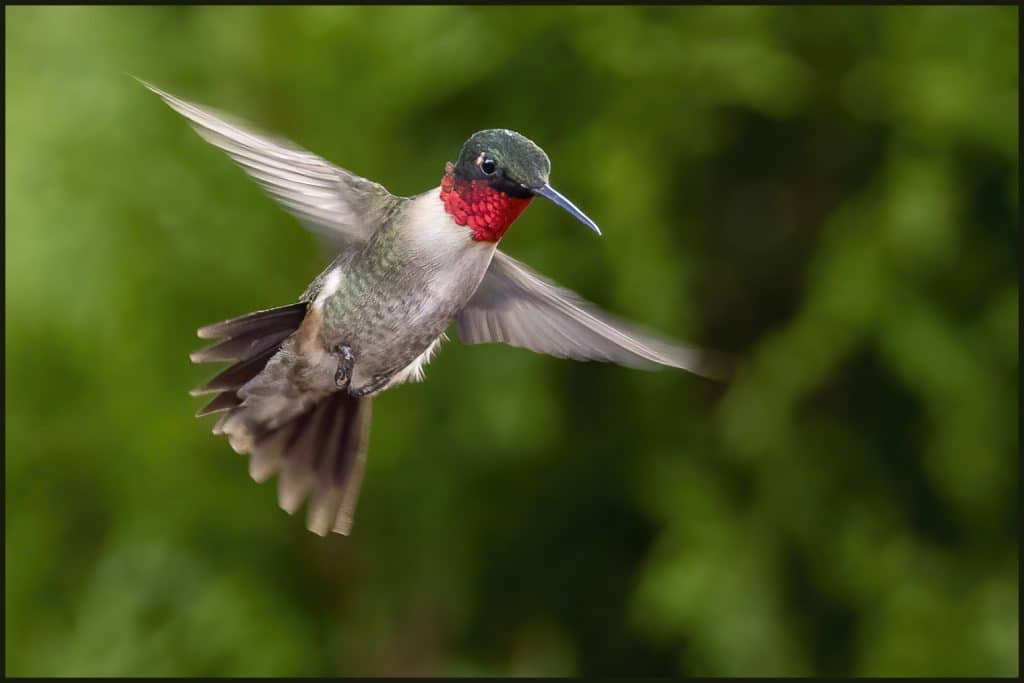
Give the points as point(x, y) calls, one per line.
point(404, 273)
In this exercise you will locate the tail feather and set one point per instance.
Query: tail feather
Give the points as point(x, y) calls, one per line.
point(295, 456)
point(226, 400)
point(265, 459)
point(237, 374)
point(280, 318)
point(319, 454)
point(244, 346)
point(339, 466)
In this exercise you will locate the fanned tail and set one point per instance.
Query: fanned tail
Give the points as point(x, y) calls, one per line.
point(319, 447)
point(250, 341)
point(320, 454)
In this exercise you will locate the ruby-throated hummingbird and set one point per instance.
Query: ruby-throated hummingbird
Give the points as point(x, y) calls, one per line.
point(297, 395)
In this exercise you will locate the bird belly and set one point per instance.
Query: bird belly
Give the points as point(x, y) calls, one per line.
point(391, 333)
point(400, 354)
point(414, 371)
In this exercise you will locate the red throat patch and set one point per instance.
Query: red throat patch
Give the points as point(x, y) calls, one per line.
point(478, 206)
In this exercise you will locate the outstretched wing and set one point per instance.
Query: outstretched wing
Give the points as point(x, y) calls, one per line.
point(329, 200)
point(517, 306)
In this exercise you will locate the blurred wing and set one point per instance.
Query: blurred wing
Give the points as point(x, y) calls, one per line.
point(517, 306)
point(329, 200)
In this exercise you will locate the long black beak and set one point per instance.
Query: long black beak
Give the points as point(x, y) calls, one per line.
point(557, 197)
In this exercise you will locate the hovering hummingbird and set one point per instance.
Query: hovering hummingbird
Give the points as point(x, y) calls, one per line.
point(297, 395)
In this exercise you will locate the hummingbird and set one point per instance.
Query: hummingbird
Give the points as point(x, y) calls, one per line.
point(297, 394)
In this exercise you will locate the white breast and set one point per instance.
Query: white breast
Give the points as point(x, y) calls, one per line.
point(437, 238)
point(454, 261)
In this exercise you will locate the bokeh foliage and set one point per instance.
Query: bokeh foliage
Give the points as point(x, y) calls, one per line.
point(829, 192)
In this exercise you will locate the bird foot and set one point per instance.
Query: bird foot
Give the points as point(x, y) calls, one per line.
point(346, 361)
point(376, 384)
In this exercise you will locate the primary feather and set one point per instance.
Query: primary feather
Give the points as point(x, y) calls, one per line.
point(326, 198)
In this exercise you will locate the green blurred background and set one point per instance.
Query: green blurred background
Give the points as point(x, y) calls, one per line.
point(829, 192)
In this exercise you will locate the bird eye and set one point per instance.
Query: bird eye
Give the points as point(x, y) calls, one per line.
point(488, 166)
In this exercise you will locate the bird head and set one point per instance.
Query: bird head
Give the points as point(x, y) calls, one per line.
point(497, 173)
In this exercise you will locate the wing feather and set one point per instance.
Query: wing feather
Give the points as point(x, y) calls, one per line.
point(328, 199)
point(515, 305)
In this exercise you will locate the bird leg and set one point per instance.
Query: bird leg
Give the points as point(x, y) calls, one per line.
point(376, 384)
point(346, 361)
